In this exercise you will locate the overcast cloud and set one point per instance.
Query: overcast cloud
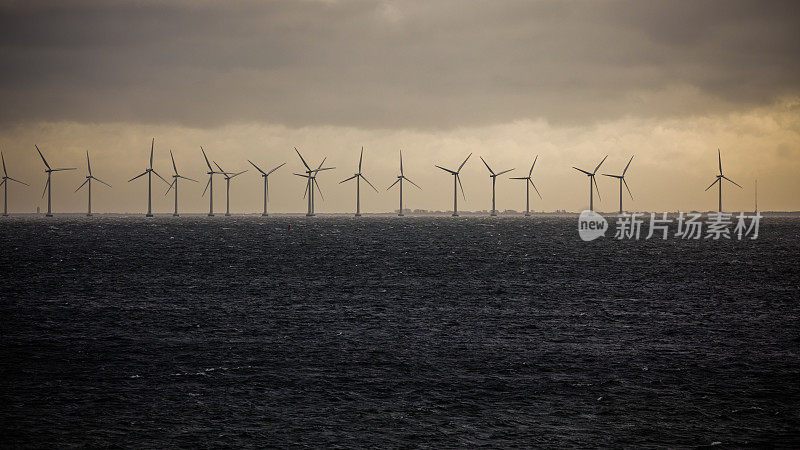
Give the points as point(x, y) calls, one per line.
point(372, 64)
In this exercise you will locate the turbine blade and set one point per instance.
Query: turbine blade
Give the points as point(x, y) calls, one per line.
point(2, 181)
point(518, 178)
point(360, 159)
point(301, 158)
point(626, 167)
point(581, 170)
point(174, 180)
point(237, 174)
point(462, 164)
point(273, 170)
point(401, 162)
point(601, 163)
point(534, 163)
point(320, 164)
point(187, 178)
point(174, 167)
point(487, 165)
point(59, 170)
point(79, 187)
point(210, 169)
point(534, 188)
point(137, 176)
point(712, 184)
point(152, 146)
point(207, 184)
point(21, 182)
point(395, 182)
point(462, 186)
point(732, 181)
point(446, 170)
point(98, 179)
point(348, 179)
point(305, 192)
point(719, 154)
point(45, 187)
point(324, 168)
point(257, 168)
point(415, 184)
point(159, 176)
point(4, 164)
point(365, 179)
point(505, 171)
point(612, 176)
point(40, 154)
point(302, 175)
point(218, 167)
point(88, 164)
point(318, 188)
point(626, 187)
point(596, 188)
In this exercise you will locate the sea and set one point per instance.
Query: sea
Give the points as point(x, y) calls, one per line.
point(435, 332)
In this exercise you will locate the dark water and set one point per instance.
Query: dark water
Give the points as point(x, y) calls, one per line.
point(390, 332)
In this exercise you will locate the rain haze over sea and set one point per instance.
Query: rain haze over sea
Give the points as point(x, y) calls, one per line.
point(442, 332)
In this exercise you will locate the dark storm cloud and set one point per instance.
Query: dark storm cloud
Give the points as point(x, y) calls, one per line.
point(383, 64)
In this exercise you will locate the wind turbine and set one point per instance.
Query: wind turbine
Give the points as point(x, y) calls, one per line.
point(88, 181)
point(211, 172)
point(311, 181)
point(228, 177)
point(622, 181)
point(493, 176)
point(400, 179)
point(719, 179)
point(149, 172)
point(4, 183)
point(456, 184)
point(175, 177)
point(265, 175)
point(592, 180)
point(358, 177)
point(48, 185)
point(528, 184)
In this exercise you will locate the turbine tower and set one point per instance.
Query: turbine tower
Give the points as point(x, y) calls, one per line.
point(622, 181)
point(4, 183)
point(211, 172)
point(311, 181)
point(358, 177)
point(228, 177)
point(456, 184)
point(400, 179)
point(149, 172)
point(719, 179)
point(88, 181)
point(592, 180)
point(493, 176)
point(265, 175)
point(48, 185)
point(528, 184)
point(175, 177)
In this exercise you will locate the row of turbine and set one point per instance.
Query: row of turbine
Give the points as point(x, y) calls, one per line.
point(312, 185)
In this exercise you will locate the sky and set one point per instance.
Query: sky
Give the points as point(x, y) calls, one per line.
point(667, 81)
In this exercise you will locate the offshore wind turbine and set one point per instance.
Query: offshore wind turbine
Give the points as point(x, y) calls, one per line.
point(719, 179)
point(456, 184)
point(265, 175)
point(493, 176)
point(211, 172)
point(4, 183)
point(622, 181)
point(311, 181)
point(400, 179)
point(228, 177)
point(88, 181)
point(358, 177)
point(149, 172)
point(528, 184)
point(48, 185)
point(175, 177)
point(592, 180)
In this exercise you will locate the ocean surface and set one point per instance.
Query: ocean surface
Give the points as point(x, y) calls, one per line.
point(434, 332)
